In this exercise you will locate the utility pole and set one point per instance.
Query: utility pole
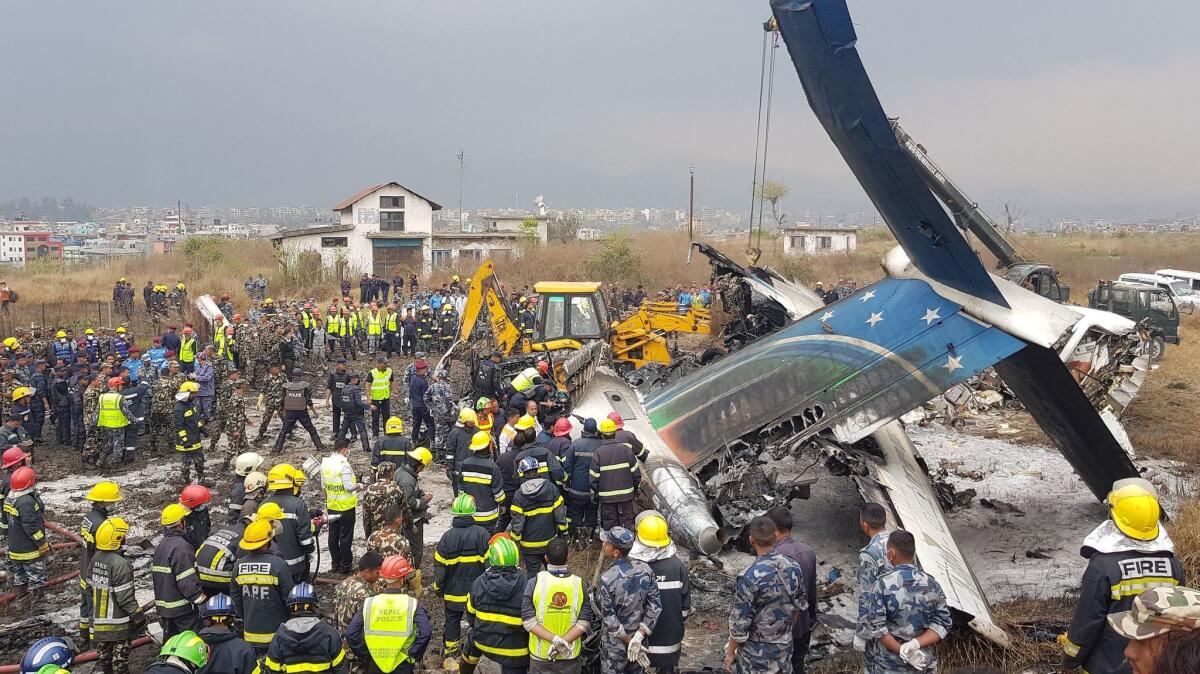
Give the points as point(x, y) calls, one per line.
point(691, 208)
point(462, 222)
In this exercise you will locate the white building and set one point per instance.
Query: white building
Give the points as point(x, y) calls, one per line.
point(805, 239)
point(387, 229)
point(588, 234)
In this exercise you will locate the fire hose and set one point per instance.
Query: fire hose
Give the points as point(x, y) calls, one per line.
point(74, 540)
point(91, 655)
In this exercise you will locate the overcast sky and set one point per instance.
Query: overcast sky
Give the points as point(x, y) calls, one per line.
point(1082, 106)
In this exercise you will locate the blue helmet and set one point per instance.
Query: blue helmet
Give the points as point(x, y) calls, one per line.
point(528, 464)
point(58, 651)
point(302, 593)
point(217, 605)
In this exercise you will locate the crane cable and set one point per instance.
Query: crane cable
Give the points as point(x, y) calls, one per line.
point(762, 132)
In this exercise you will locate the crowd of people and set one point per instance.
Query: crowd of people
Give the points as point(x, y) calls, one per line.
point(532, 487)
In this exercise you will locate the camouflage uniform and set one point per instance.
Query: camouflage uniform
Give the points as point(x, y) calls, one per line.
point(91, 405)
point(872, 563)
point(390, 541)
point(6, 391)
point(376, 499)
point(162, 405)
point(235, 425)
point(116, 651)
point(439, 399)
point(224, 389)
point(629, 600)
point(765, 597)
point(256, 361)
point(272, 399)
point(348, 600)
point(904, 602)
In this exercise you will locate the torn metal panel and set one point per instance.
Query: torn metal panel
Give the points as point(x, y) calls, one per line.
point(903, 480)
point(862, 362)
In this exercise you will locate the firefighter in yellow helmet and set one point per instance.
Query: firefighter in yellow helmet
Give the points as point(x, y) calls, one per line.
point(1127, 554)
point(188, 425)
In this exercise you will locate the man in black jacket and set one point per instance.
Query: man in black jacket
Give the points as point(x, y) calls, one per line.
point(494, 610)
point(178, 594)
point(305, 643)
point(227, 652)
point(457, 562)
point(353, 412)
point(615, 478)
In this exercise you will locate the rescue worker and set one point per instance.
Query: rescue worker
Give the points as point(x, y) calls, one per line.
point(349, 594)
point(187, 351)
point(548, 464)
point(872, 559)
point(378, 496)
point(480, 477)
point(806, 558)
point(392, 539)
point(1128, 553)
point(561, 442)
point(255, 488)
point(425, 329)
point(538, 514)
point(391, 331)
point(298, 408)
point(418, 385)
point(629, 602)
point(615, 478)
point(216, 556)
point(526, 318)
point(115, 616)
point(165, 389)
point(271, 400)
point(184, 653)
point(768, 596)
point(489, 380)
point(227, 652)
point(243, 465)
point(102, 496)
point(188, 428)
point(447, 326)
point(353, 410)
point(439, 399)
point(654, 547)
point(198, 521)
point(295, 539)
point(261, 584)
point(178, 595)
point(458, 443)
point(341, 497)
point(557, 614)
point(1163, 629)
point(375, 320)
point(581, 515)
point(27, 544)
point(381, 384)
point(138, 397)
point(457, 561)
point(415, 501)
point(494, 613)
point(49, 655)
point(906, 614)
point(408, 333)
point(393, 446)
point(626, 436)
point(305, 643)
point(391, 631)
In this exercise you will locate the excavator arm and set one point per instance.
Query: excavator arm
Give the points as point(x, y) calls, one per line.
point(485, 292)
point(642, 338)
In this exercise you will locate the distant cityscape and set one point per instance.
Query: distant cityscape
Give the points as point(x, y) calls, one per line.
point(98, 233)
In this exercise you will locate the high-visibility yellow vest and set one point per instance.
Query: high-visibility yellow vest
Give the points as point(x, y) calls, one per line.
point(374, 324)
point(381, 384)
point(225, 348)
point(187, 350)
point(111, 415)
point(353, 321)
point(337, 497)
point(389, 628)
point(524, 380)
point(557, 602)
point(306, 320)
point(393, 320)
point(336, 325)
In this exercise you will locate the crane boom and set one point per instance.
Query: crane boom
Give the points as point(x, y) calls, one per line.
point(966, 212)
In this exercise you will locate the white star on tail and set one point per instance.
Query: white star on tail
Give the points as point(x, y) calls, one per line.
point(875, 318)
point(930, 316)
point(953, 363)
point(867, 295)
point(826, 316)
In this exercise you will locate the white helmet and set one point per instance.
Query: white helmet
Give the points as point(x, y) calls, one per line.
point(248, 463)
point(254, 481)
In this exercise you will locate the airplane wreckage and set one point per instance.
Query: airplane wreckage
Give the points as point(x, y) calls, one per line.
point(831, 382)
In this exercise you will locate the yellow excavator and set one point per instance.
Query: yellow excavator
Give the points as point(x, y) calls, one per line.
point(572, 316)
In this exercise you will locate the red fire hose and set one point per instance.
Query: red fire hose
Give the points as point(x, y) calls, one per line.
point(79, 659)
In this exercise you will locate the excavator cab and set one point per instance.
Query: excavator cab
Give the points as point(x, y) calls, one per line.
point(1039, 278)
point(569, 314)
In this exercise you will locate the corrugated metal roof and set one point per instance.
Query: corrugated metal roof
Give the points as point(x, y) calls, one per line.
point(349, 201)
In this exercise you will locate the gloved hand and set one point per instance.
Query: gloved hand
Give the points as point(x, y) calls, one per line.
point(860, 644)
point(635, 646)
point(560, 648)
point(911, 653)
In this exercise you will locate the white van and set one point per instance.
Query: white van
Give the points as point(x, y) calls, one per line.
point(1190, 276)
point(1180, 289)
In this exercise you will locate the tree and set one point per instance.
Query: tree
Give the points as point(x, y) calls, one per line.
point(616, 259)
point(530, 231)
point(774, 192)
point(564, 228)
point(1013, 213)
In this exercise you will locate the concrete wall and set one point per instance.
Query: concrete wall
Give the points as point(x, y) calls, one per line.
point(797, 242)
